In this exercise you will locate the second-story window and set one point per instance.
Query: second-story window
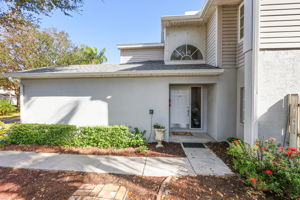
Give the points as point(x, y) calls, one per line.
point(241, 21)
point(187, 52)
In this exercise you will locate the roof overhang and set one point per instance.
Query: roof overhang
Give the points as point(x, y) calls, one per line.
point(119, 74)
point(140, 46)
point(198, 18)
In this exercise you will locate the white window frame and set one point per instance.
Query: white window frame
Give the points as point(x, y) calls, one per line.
point(186, 62)
point(239, 23)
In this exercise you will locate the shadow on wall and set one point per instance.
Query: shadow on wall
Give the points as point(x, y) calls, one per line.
point(67, 112)
point(273, 122)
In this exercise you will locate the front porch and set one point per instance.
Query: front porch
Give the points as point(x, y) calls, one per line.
point(189, 110)
point(194, 137)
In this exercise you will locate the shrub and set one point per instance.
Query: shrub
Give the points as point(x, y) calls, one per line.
point(268, 167)
point(142, 149)
point(6, 107)
point(42, 134)
point(107, 136)
point(68, 135)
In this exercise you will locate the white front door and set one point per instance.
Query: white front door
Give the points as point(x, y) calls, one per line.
point(180, 107)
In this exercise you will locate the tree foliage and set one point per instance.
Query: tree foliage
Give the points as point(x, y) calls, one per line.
point(28, 8)
point(24, 46)
point(90, 55)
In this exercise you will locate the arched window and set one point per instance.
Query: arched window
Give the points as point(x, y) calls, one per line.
point(187, 52)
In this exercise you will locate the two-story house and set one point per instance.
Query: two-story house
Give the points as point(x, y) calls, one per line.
point(223, 71)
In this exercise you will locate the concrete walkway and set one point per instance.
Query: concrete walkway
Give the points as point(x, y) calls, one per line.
point(204, 161)
point(201, 161)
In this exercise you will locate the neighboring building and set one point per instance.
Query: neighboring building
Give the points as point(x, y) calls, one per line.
point(9, 95)
point(225, 71)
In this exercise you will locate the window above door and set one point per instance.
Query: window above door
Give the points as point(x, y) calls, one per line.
point(186, 52)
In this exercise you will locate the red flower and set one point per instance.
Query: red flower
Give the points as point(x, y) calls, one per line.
point(263, 149)
point(256, 143)
point(253, 180)
point(236, 141)
point(273, 161)
point(281, 148)
point(291, 153)
point(269, 172)
point(292, 149)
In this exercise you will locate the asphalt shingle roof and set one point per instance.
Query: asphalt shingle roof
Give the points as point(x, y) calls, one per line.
point(109, 68)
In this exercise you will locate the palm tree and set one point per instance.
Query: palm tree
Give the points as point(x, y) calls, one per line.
point(89, 55)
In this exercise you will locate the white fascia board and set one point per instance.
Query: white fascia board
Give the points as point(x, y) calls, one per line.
point(181, 17)
point(150, 73)
point(142, 45)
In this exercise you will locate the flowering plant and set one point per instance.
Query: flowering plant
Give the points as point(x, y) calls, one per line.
point(268, 166)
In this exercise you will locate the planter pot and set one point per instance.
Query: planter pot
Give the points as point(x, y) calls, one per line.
point(159, 136)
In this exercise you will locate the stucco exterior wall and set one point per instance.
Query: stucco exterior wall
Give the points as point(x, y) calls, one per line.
point(278, 76)
point(115, 101)
point(240, 84)
point(226, 105)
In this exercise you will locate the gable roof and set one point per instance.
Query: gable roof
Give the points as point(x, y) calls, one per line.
point(145, 69)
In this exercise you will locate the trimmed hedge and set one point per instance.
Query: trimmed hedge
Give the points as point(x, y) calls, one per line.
point(69, 135)
point(42, 134)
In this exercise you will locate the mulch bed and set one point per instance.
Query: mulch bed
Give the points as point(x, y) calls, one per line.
point(169, 150)
point(210, 187)
point(24, 184)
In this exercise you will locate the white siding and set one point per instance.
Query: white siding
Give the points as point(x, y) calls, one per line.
point(212, 40)
point(229, 36)
point(279, 24)
point(140, 55)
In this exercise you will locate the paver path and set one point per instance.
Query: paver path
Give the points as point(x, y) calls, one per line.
point(151, 166)
point(100, 192)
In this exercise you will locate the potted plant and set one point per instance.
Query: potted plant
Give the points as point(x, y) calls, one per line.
point(159, 134)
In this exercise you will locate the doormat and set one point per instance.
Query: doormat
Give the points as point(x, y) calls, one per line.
point(182, 133)
point(193, 145)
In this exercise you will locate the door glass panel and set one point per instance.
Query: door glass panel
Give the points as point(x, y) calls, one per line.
point(196, 107)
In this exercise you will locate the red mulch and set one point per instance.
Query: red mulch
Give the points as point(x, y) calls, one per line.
point(210, 187)
point(169, 150)
point(24, 184)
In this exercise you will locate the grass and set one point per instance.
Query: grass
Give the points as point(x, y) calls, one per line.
point(11, 115)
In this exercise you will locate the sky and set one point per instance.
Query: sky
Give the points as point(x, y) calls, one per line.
point(106, 23)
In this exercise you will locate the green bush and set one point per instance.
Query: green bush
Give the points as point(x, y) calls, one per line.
point(107, 136)
point(68, 135)
point(42, 134)
point(268, 167)
point(6, 107)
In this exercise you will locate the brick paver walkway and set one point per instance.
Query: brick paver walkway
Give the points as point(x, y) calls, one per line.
point(100, 192)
